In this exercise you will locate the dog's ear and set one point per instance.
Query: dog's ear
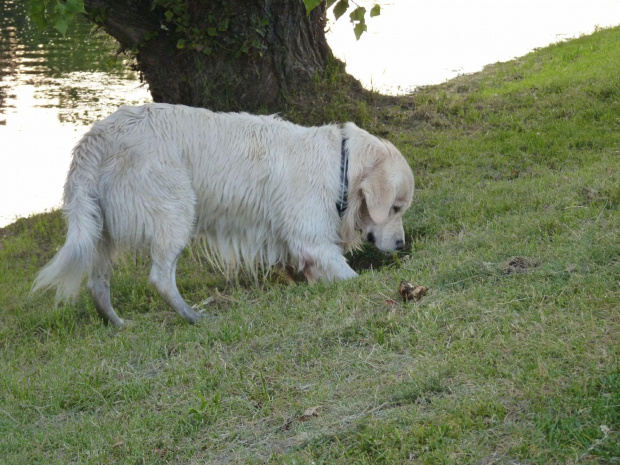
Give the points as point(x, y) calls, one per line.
point(379, 193)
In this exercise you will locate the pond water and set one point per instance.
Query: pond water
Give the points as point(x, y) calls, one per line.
point(414, 42)
point(52, 88)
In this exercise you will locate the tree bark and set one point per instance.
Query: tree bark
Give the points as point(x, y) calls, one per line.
point(226, 55)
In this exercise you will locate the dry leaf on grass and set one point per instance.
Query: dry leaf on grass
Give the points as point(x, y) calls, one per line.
point(309, 413)
point(409, 291)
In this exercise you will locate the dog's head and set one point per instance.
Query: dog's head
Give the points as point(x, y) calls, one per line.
point(387, 191)
point(381, 189)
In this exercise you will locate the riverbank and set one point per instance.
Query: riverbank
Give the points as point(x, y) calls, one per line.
point(512, 356)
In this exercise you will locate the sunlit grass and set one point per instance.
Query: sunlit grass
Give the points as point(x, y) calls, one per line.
point(512, 357)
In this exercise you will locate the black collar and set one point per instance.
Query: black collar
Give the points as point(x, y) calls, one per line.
point(342, 202)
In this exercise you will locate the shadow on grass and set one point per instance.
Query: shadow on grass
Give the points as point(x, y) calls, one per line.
point(370, 258)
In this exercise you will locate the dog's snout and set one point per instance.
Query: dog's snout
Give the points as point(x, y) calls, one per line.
point(400, 244)
point(371, 238)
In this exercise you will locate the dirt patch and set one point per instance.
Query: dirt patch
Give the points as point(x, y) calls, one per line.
point(519, 265)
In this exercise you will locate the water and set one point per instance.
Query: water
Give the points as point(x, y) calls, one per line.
point(52, 88)
point(416, 42)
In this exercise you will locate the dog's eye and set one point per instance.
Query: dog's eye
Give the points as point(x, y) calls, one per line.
point(395, 209)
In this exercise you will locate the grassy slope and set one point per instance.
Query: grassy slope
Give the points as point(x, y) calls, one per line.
point(493, 366)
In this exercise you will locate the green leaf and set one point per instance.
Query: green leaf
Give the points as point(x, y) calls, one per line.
point(212, 31)
point(358, 14)
point(181, 43)
point(340, 8)
point(222, 26)
point(75, 6)
point(359, 29)
point(39, 19)
point(329, 3)
point(169, 15)
point(375, 11)
point(37, 13)
point(311, 5)
point(37, 5)
point(60, 8)
point(62, 23)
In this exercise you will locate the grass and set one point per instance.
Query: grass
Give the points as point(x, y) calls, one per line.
point(512, 357)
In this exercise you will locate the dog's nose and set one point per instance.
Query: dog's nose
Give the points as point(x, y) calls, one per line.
point(371, 238)
point(400, 245)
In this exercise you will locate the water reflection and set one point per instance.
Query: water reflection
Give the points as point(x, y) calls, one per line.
point(51, 88)
point(49, 52)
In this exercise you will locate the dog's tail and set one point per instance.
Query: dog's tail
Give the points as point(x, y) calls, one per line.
point(84, 218)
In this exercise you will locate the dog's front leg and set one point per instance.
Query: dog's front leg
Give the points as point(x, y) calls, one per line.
point(325, 263)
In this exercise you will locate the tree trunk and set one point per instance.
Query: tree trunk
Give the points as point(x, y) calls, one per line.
point(225, 55)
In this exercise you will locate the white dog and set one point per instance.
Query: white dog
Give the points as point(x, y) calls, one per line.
point(261, 191)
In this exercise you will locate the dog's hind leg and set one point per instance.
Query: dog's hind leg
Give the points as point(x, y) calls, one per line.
point(168, 214)
point(99, 285)
point(163, 279)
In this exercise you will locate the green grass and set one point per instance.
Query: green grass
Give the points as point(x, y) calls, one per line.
point(504, 361)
